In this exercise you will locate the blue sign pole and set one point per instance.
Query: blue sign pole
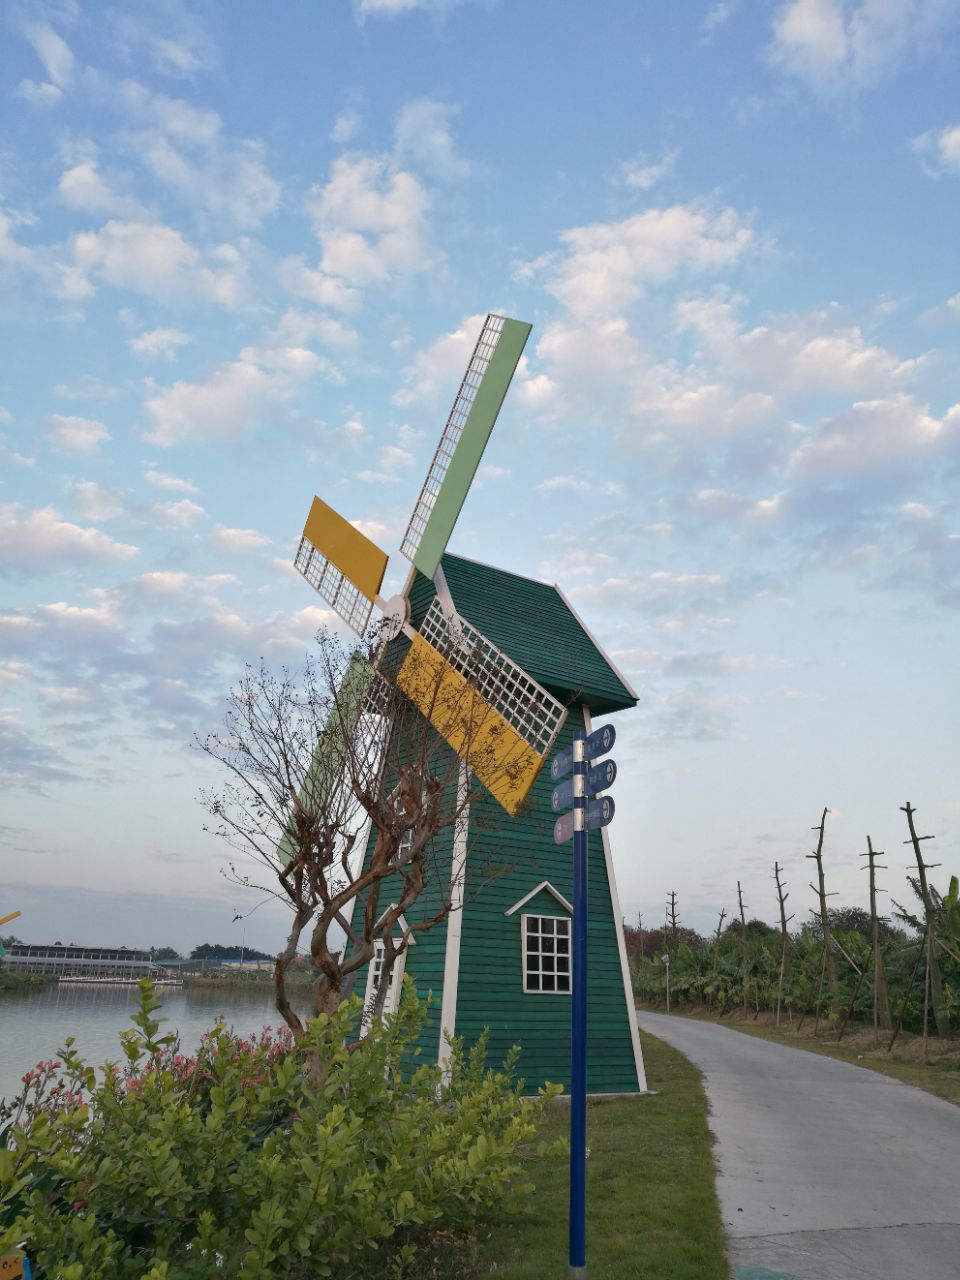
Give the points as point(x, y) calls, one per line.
point(578, 1074)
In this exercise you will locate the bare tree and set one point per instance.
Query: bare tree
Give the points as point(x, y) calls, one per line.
point(325, 763)
point(672, 922)
point(784, 935)
point(934, 986)
point(881, 995)
point(744, 946)
point(820, 890)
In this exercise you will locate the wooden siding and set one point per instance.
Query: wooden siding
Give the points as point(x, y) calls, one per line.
point(491, 978)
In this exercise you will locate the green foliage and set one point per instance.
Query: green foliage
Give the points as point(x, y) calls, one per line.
point(221, 951)
point(256, 1158)
point(712, 973)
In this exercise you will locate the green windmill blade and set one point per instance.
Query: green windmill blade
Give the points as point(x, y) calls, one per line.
point(475, 409)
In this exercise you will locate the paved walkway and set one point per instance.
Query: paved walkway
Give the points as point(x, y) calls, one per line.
point(826, 1171)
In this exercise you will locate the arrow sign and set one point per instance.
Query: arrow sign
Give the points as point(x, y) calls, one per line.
point(599, 813)
point(599, 743)
point(599, 778)
point(561, 763)
point(563, 829)
point(562, 797)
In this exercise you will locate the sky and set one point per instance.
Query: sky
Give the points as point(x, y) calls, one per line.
point(245, 251)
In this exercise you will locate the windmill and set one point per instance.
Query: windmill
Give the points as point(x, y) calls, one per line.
point(501, 676)
point(495, 716)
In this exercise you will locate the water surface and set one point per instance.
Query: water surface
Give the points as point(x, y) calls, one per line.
point(34, 1026)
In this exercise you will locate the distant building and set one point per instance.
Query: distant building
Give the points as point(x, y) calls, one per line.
point(57, 960)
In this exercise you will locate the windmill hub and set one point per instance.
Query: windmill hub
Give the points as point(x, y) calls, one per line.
point(396, 613)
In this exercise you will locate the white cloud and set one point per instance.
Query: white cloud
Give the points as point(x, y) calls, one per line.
point(808, 354)
point(436, 372)
point(95, 502)
point(231, 398)
point(158, 344)
point(393, 8)
point(423, 138)
point(174, 484)
point(233, 540)
point(843, 46)
point(346, 126)
point(39, 94)
point(939, 151)
point(184, 148)
point(643, 175)
point(53, 51)
point(580, 484)
point(154, 259)
point(370, 220)
point(82, 435)
point(39, 541)
point(890, 436)
point(177, 515)
point(83, 187)
point(607, 266)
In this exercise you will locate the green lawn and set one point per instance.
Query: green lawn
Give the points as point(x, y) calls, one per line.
point(652, 1211)
point(940, 1076)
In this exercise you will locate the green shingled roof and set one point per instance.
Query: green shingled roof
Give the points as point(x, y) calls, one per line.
point(532, 623)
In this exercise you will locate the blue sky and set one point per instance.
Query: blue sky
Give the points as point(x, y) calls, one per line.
point(243, 258)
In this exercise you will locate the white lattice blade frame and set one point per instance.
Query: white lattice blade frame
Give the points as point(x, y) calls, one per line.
point(456, 421)
point(527, 707)
point(333, 587)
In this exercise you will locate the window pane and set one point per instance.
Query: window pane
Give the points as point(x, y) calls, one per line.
point(563, 982)
point(533, 924)
point(533, 982)
point(546, 925)
point(548, 982)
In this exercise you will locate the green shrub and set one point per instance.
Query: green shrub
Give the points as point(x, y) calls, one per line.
point(256, 1158)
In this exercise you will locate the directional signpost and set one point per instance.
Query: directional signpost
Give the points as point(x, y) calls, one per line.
point(587, 815)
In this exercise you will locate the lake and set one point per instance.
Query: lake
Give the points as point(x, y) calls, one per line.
point(34, 1026)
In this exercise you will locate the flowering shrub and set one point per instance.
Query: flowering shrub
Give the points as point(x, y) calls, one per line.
point(255, 1158)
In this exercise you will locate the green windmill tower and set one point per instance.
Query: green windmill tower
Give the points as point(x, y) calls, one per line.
point(503, 959)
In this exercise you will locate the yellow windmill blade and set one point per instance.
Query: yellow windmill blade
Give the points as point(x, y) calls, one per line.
point(341, 564)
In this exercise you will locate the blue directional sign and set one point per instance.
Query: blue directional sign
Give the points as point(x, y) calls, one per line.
point(597, 743)
point(599, 812)
point(563, 829)
point(599, 778)
point(561, 763)
point(562, 797)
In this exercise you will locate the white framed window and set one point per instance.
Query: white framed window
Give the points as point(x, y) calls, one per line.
point(547, 962)
point(374, 976)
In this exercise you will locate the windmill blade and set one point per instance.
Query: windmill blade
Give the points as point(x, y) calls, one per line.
point(363, 696)
point(491, 712)
point(464, 438)
point(341, 564)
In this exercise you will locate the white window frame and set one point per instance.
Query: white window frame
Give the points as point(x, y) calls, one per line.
point(527, 954)
point(392, 1001)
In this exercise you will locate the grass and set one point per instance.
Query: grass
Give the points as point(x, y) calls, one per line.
point(940, 1076)
point(652, 1211)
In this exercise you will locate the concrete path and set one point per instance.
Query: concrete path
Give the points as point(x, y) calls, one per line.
point(826, 1171)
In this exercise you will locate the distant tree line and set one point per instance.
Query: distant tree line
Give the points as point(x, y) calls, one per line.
point(843, 963)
